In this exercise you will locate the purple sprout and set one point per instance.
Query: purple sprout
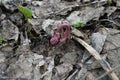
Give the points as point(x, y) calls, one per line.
point(58, 37)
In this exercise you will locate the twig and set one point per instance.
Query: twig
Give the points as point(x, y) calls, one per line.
point(117, 24)
point(96, 55)
point(108, 72)
point(8, 78)
point(70, 77)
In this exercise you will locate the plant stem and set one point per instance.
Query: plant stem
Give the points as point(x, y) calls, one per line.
point(28, 24)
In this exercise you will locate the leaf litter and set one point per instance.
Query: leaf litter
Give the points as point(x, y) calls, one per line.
point(91, 51)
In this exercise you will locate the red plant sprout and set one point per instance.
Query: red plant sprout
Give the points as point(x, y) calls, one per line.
point(55, 39)
point(58, 37)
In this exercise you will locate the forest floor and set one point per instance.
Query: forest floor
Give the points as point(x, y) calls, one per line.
point(43, 47)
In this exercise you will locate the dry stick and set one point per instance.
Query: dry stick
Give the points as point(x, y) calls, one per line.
point(96, 55)
point(117, 24)
point(70, 77)
point(108, 72)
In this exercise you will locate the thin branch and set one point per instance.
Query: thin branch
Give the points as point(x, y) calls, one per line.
point(117, 24)
point(96, 55)
point(105, 74)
